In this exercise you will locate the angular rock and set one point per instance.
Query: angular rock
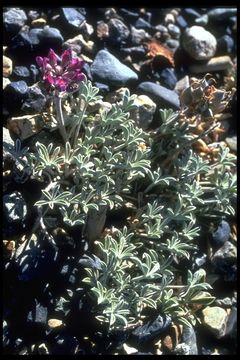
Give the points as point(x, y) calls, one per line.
point(7, 66)
point(35, 101)
point(21, 73)
point(162, 96)
point(225, 45)
point(168, 78)
point(6, 81)
point(221, 14)
point(189, 338)
point(232, 142)
point(138, 35)
point(107, 69)
point(14, 94)
point(25, 126)
point(215, 64)
point(14, 19)
point(73, 17)
point(199, 43)
point(118, 31)
point(14, 207)
point(38, 315)
point(143, 114)
point(54, 323)
point(225, 257)
point(38, 23)
point(215, 319)
point(222, 233)
point(50, 37)
point(174, 31)
point(142, 24)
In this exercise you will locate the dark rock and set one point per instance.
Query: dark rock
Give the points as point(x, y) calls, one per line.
point(225, 45)
point(174, 31)
point(151, 329)
point(162, 96)
point(190, 15)
point(65, 345)
point(20, 47)
point(35, 101)
point(134, 51)
point(106, 68)
point(221, 14)
point(50, 38)
point(73, 17)
point(87, 71)
point(225, 260)
point(118, 32)
point(13, 20)
point(14, 207)
point(129, 15)
point(34, 36)
point(189, 338)
point(21, 73)
point(168, 78)
point(138, 35)
point(142, 24)
point(103, 88)
point(172, 44)
point(34, 73)
point(38, 315)
point(231, 328)
point(222, 233)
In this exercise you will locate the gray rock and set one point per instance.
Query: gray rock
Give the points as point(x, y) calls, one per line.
point(145, 109)
point(189, 338)
point(73, 17)
point(138, 35)
point(202, 20)
point(162, 96)
point(106, 68)
point(232, 142)
point(38, 315)
point(15, 207)
point(14, 19)
point(118, 31)
point(50, 37)
point(174, 31)
point(217, 63)
point(35, 101)
point(225, 260)
point(221, 14)
point(199, 43)
point(6, 81)
point(215, 319)
point(226, 302)
point(222, 233)
point(21, 73)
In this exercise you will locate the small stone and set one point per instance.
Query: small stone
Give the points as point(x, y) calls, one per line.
point(169, 19)
point(199, 43)
point(14, 19)
point(222, 233)
point(221, 14)
point(168, 78)
point(174, 31)
point(21, 73)
point(42, 349)
point(50, 37)
point(189, 338)
point(54, 323)
point(38, 315)
point(102, 30)
point(215, 318)
point(225, 45)
point(162, 96)
point(143, 114)
point(232, 142)
point(138, 35)
point(142, 24)
point(7, 66)
point(15, 207)
point(6, 81)
point(106, 68)
point(182, 84)
point(129, 350)
point(202, 20)
point(14, 94)
point(225, 261)
point(39, 23)
point(35, 101)
point(73, 17)
point(172, 44)
point(118, 31)
point(181, 22)
point(191, 14)
point(215, 64)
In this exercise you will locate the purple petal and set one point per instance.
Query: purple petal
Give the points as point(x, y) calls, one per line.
point(49, 79)
point(76, 63)
point(61, 84)
point(52, 57)
point(39, 60)
point(66, 57)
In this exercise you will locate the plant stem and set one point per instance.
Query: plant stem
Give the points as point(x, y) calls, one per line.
point(60, 119)
point(78, 127)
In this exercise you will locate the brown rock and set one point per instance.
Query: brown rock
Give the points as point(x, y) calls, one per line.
point(38, 23)
point(215, 318)
point(25, 126)
point(7, 66)
point(54, 323)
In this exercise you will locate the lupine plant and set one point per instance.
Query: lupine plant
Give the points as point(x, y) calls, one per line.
point(107, 162)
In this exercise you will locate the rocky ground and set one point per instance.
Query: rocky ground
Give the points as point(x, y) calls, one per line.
point(155, 53)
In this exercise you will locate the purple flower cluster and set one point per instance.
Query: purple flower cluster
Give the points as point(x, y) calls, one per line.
point(61, 73)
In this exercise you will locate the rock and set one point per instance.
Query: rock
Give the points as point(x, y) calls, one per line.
point(73, 17)
point(143, 114)
point(34, 73)
point(225, 45)
point(168, 78)
point(151, 329)
point(14, 94)
point(14, 207)
point(162, 96)
point(138, 35)
point(221, 14)
point(182, 84)
point(34, 36)
point(232, 142)
point(9, 247)
point(106, 68)
point(50, 37)
point(174, 31)
point(190, 14)
point(25, 126)
point(225, 259)
point(231, 328)
point(182, 349)
point(21, 73)
point(8, 143)
point(215, 64)
point(35, 101)
point(6, 81)
point(7, 66)
point(222, 233)
point(118, 32)
point(172, 44)
point(38, 314)
point(38, 23)
point(225, 302)
point(13, 20)
point(142, 24)
point(102, 30)
point(54, 323)
point(189, 338)
point(199, 43)
point(215, 319)
point(181, 22)
point(42, 349)
point(202, 20)
point(130, 15)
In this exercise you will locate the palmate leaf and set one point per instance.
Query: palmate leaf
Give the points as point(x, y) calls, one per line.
point(54, 198)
